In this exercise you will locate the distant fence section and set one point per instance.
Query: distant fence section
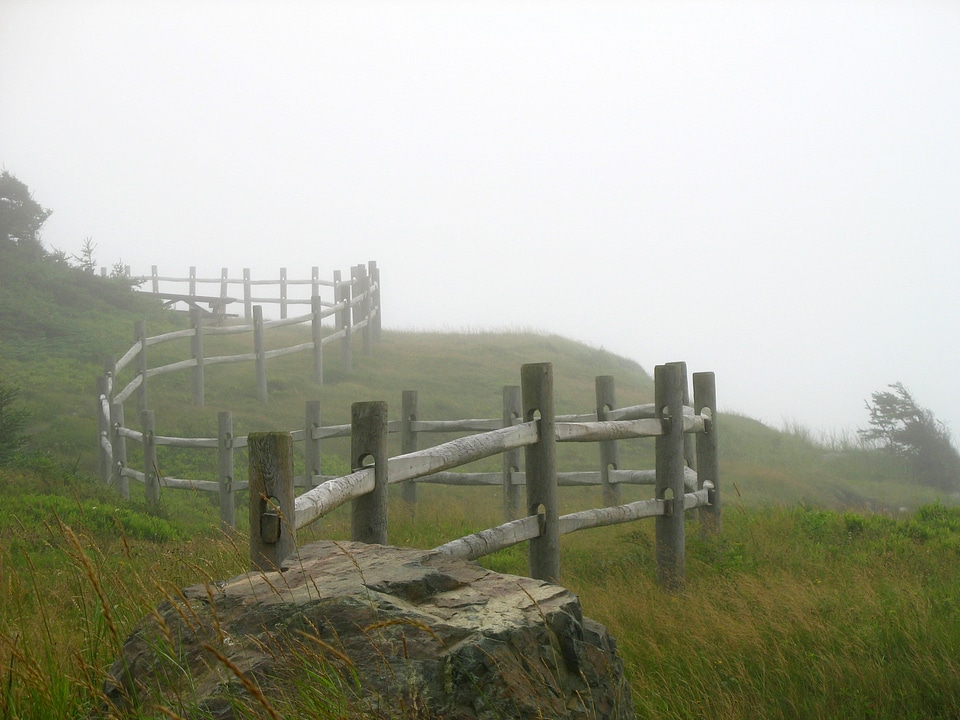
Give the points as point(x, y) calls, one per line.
point(353, 305)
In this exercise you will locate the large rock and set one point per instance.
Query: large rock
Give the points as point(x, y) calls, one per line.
point(348, 629)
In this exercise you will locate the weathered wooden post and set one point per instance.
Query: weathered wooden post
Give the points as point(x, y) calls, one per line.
point(155, 279)
point(609, 450)
point(273, 527)
point(311, 442)
point(316, 334)
point(314, 281)
point(193, 281)
point(196, 352)
point(105, 443)
point(708, 459)
point(536, 381)
point(259, 353)
point(368, 443)
point(140, 332)
point(361, 311)
point(375, 281)
point(408, 442)
point(342, 295)
point(151, 472)
point(512, 410)
point(120, 481)
point(671, 543)
point(689, 451)
point(247, 295)
point(228, 513)
point(283, 293)
point(224, 292)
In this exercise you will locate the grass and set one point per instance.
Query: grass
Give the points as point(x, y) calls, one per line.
point(832, 591)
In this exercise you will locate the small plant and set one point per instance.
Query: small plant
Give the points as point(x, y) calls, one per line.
point(13, 420)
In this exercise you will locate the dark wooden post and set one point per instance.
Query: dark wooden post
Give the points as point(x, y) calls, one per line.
point(105, 437)
point(196, 352)
point(536, 381)
point(316, 332)
point(247, 295)
point(375, 280)
point(120, 482)
point(228, 512)
point(273, 527)
point(708, 459)
point(512, 410)
point(140, 332)
point(151, 473)
point(259, 353)
point(671, 543)
point(311, 443)
point(609, 450)
point(408, 443)
point(368, 445)
point(283, 293)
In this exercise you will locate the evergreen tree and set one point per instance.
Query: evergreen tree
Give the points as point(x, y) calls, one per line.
point(20, 217)
point(900, 425)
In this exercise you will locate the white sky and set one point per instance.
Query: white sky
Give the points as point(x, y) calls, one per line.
point(769, 190)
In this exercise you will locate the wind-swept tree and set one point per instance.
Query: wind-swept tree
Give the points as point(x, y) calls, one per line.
point(12, 422)
point(20, 217)
point(900, 425)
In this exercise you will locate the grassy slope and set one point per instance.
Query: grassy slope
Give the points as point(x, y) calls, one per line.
point(792, 612)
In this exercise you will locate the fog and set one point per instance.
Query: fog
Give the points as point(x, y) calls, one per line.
point(767, 190)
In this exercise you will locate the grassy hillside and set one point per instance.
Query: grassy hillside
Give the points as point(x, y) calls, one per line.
point(807, 605)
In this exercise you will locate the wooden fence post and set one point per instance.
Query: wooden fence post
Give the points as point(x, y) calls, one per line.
point(671, 543)
point(408, 442)
point(228, 512)
point(536, 382)
point(311, 443)
point(247, 295)
point(196, 352)
point(140, 332)
point(316, 332)
point(708, 463)
point(689, 452)
point(283, 293)
point(314, 281)
point(273, 527)
point(368, 442)
point(375, 280)
point(342, 295)
point(151, 473)
point(155, 279)
point(258, 352)
point(361, 311)
point(121, 482)
point(105, 437)
point(193, 281)
point(512, 410)
point(609, 450)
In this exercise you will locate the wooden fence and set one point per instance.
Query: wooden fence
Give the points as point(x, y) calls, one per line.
point(355, 308)
point(276, 514)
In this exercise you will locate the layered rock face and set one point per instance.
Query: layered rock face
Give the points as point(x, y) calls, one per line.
point(351, 630)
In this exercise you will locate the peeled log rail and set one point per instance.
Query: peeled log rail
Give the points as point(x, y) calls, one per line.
point(324, 498)
point(486, 542)
point(621, 429)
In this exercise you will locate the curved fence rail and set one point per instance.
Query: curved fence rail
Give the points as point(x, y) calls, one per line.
point(355, 308)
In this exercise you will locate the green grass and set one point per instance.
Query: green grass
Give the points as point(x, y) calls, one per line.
point(821, 598)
